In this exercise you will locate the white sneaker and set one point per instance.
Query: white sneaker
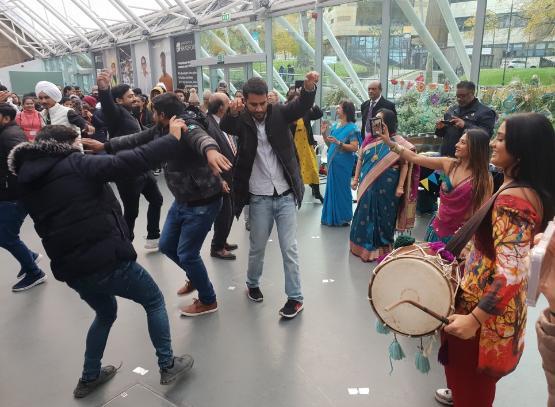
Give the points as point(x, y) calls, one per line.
point(152, 244)
point(444, 396)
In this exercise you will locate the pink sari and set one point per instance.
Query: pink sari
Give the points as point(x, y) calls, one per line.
point(454, 209)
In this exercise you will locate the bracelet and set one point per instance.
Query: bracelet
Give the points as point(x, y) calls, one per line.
point(397, 148)
point(476, 318)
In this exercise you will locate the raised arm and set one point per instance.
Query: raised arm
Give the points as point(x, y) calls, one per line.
point(109, 108)
point(230, 122)
point(433, 163)
point(299, 107)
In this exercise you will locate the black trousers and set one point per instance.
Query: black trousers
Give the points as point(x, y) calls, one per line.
point(130, 193)
point(222, 224)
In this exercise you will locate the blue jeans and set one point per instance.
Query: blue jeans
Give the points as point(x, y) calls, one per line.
point(12, 215)
point(263, 211)
point(129, 281)
point(182, 237)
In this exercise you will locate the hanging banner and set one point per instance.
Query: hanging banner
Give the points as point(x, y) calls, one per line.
point(162, 64)
point(142, 62)
point(125, 65)
point(98, 62)
point(111, 64)
point(184, 55)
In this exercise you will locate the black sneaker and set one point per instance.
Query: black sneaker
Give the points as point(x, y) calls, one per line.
point(181, 364)
point(291, 309)
point(29, 281)
point(255, 294)
point(85, 388)
point(37, 258)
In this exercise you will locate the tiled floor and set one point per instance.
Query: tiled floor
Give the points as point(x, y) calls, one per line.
point(244, 354)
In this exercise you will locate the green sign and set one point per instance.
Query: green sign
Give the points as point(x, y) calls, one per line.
point(226, 17)
point(221, 58)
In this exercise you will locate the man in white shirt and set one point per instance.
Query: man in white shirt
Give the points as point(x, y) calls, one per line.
point(267, 177)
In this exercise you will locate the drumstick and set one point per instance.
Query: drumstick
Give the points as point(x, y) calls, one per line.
point(420, 307)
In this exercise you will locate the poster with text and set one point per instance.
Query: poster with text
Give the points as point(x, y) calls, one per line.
point(111, 64)
point(162, 64)
point(98, 62)
point(184, 55)
point(142, 62)
point(125, 65)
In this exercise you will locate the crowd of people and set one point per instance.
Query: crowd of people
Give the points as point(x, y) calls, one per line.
point(222, 154)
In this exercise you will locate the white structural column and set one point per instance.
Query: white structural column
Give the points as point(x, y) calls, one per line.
point(94, 17)
point(354, 98)
point(384, 45)
point(428, 40)
point(198, 55)
point(343, 58)
point(478, 39)
point(455, 35)
point(318, 52)
point(220, 71)
point(269, 49)
point(62, 20)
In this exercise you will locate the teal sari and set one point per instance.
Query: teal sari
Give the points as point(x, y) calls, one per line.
point(338, 201)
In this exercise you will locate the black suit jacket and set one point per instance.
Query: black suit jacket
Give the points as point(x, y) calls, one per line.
point(218, 135)
point(383, 103)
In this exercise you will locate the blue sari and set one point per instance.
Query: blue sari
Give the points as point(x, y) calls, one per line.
point(373, 227)
point(338, 201)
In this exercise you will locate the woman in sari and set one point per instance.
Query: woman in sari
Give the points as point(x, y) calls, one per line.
point(466, 184)
point(380, 178)
point(342, 145)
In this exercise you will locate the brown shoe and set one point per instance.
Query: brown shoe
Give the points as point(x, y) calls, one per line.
point(186, 289)
point(198, 308)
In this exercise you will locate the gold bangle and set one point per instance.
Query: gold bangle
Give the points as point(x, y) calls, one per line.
point(476, 318)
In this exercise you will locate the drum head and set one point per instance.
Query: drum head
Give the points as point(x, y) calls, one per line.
point(410, 278)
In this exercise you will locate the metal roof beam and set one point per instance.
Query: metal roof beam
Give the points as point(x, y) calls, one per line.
point(134, 17)
point(62, 19)
point(92, 15)
point(10, 38)
point(186, 9)
point(20, 38)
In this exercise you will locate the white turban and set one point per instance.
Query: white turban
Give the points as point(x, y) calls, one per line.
point(49, 89)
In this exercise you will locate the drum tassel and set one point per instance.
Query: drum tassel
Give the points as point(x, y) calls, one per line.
point(395, 352)
point(422, 361)
point(382, 328)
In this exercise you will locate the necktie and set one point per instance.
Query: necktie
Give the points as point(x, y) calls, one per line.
point(369, 118)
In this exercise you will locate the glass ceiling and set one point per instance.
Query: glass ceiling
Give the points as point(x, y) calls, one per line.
point(54, 27)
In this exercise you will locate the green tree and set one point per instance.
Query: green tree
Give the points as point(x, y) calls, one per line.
point(540, 16)
point(285, 43)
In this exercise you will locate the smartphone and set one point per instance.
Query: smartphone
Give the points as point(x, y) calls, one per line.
point(377, 124)
point(446, 122)
point(299, 84)
point(539, 266)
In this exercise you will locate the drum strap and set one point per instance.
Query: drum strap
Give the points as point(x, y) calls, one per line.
point(465, 233)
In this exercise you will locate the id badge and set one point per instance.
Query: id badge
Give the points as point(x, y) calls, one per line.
point(33, 133)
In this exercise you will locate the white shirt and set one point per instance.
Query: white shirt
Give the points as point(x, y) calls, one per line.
point(267, 172)
point(227, 136)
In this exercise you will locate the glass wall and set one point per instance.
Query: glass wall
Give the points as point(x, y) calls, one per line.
point(429, 50)
point(351, 52)
point(294, 44)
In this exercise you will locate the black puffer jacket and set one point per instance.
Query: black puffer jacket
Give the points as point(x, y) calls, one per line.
point(10, 136)
point(278, 118)
point(188, 175)
point(74, 211)
point(118, 118)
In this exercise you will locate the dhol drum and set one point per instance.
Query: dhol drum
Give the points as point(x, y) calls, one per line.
point(413, 290)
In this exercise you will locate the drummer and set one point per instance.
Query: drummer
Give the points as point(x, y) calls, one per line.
point(466, 185)
point(485, 337)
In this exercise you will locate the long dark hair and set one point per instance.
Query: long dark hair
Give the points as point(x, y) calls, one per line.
point(349, 110)
point(390, 120)
point(479, 153)
point(530, 139)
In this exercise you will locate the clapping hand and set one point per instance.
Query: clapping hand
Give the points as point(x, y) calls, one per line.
point(236, 106)
point(311, 80)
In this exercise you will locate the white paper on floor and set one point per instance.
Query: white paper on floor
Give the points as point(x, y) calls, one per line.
point(330, 280)
point(363, 390)
point(231, 288)
point(270, 240)
point(140, 370)
point(353, 391)
point(316, 237)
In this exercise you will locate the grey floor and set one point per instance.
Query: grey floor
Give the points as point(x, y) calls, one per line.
point(244, 354)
